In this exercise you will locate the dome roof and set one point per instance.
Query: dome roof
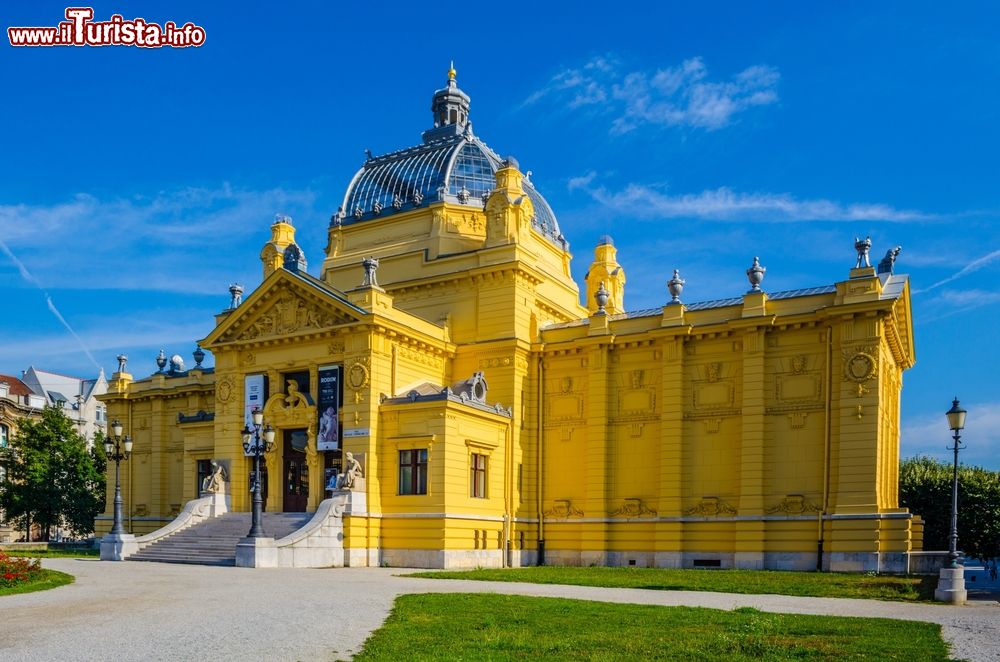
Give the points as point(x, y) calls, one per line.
point(451, 165)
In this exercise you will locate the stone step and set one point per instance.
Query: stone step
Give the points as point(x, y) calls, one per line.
point(185, 553)
point(219, 562)
point(213, 542)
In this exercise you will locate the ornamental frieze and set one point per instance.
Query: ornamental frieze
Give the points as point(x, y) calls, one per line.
point(422, 357)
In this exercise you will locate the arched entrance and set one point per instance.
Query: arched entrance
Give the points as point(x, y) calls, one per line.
point(295, 473)
point(295, 466)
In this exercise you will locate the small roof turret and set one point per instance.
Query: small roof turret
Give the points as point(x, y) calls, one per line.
point(450, 107)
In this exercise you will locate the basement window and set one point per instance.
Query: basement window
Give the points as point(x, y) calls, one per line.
point(707, 563)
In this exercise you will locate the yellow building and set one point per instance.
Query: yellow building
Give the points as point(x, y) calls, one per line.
point(500, 422)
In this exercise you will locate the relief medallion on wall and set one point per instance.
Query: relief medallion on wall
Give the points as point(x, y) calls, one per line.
point(860, 367)
point(224, 389)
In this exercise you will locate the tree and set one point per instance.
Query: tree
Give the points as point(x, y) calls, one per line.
point(925, 488)
point(52, 478)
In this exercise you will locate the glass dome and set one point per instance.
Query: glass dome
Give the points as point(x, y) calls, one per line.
point(457, 169)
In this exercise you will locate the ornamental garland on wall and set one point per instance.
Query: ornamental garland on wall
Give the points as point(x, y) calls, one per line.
point(563, 509)
point(793, 504)
point(711, 507)
point(633, 508)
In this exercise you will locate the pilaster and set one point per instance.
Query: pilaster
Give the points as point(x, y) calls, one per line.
point(856, 390)
point(672, 427)
point(750, 534)
point(597, 469)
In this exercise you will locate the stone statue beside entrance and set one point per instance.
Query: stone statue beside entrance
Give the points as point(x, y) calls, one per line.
point(351, 478)
point(215, 482)
point(213, 487)
point(352, 472)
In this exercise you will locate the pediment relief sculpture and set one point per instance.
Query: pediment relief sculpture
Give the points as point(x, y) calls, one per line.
point(288, 314)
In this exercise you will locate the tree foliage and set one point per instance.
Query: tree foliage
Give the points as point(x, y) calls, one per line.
point(52, 478)
point(925, 488)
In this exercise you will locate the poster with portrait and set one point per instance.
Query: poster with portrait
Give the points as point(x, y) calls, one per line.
point(328, 409)
point(254, 394)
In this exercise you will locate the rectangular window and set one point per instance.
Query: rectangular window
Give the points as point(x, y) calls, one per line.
point(413, 471)
point(4, 431)
point(477, 476)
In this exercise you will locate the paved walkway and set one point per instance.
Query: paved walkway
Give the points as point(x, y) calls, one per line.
point(153, 611)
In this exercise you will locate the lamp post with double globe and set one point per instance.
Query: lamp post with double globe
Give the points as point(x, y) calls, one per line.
point(956, 421)
point(256, 442)
point(117, 448)
point(951, 580)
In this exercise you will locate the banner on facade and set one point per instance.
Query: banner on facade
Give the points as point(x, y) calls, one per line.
point(254, 394)
point(328, 407)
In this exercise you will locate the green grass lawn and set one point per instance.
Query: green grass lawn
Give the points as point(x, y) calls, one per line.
point(54, 553)
point(818, 584)
point(485, 626)
point(48, 579)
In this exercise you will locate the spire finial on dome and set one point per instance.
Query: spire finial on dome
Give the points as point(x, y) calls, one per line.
point(450, 107)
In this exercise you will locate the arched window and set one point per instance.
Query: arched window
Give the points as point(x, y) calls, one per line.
point(454, 116)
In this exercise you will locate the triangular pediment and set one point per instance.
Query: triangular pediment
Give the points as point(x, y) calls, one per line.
point(285, 305)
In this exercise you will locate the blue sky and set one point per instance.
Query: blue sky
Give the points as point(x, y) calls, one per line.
point(138, 184)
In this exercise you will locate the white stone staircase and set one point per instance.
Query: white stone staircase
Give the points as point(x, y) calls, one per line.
point(213, 541)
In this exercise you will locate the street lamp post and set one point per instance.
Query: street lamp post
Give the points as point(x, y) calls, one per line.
point(951, 579)
point(257, 441)
point(117, 448)
point(956, 421)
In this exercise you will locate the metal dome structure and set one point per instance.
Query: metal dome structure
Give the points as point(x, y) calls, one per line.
point(451, 165)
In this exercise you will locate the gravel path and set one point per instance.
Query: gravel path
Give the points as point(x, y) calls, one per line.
point(153, 611)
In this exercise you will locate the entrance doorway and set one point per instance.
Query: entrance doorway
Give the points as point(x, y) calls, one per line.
point(296, 472)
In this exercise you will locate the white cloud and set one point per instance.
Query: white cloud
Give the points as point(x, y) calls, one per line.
point(969, 298)
point(52, 349)
point(725, 204)
point(948, 303)
point(971, 267)
point(30, 278)
point(682, 95)
point(929, 435)
point(167, 241)
point(583, 181)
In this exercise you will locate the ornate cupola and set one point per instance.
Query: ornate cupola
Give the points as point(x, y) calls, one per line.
point(606, 274)
point(450, 106)
point(282, 251)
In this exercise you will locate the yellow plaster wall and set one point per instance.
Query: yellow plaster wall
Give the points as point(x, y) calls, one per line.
point(629, 434)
